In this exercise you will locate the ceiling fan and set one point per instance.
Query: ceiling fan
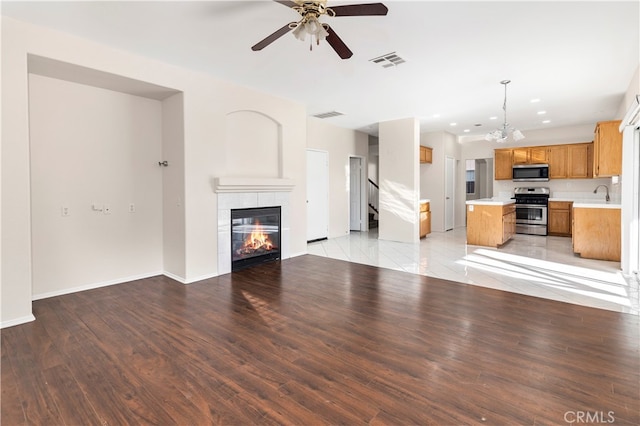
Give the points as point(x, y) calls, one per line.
point(310, 11)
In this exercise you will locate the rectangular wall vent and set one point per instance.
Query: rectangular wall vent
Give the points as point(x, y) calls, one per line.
point(328, 114)
point(389, 60)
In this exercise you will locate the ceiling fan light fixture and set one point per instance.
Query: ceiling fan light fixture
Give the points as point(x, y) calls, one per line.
point(311, 26)
point(299, 32)
point(322, 33)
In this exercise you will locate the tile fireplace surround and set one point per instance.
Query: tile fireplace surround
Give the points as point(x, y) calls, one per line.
point(243, 193)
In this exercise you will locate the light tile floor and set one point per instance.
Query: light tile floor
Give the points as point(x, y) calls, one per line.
point(532, 265)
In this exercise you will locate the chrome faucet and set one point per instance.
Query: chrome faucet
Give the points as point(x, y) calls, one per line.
point(605, 187)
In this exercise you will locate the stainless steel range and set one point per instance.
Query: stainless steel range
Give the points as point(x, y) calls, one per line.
point(531, 210)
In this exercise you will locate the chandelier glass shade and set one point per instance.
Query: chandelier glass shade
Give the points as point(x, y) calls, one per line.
point(501, 134)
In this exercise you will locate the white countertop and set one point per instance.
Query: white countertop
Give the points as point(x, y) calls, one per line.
point(491, 202)
point(596, 204)
point(590, 203)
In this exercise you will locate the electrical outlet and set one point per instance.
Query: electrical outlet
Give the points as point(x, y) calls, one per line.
point(64, 211)
point(132, 208)
point(106, 209)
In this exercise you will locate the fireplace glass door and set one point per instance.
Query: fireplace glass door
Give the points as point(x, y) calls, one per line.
point(255, 236)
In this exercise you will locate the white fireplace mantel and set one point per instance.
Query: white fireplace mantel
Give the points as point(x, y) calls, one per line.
point(242, 193)
point(244, 184)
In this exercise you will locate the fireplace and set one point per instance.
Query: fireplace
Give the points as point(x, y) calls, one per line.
point(255, 236)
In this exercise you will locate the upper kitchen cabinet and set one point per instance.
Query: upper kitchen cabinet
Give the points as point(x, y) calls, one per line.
point(580, 161)
point(607, 149)
point(573, 161)
point(503, 164)
point(557, 156)
point(530, 155)
point(566, 161)
point(426, 155)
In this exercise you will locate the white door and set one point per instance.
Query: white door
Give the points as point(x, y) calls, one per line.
point(449, 193)
point(355, 186)
point(317, 195)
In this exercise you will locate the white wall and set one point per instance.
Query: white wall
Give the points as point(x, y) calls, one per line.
point(93, 146)
point(630, 95)
point(399, 176)
point(432, 177)
point(340, 144)
point(207, 101)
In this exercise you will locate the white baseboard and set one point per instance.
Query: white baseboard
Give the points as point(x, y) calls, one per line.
point(18, 321)
point(298, 254)
point(94, 285)
point(174, 277)
point(200, 278)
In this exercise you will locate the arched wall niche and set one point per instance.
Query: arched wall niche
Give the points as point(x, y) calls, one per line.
point(253, 145)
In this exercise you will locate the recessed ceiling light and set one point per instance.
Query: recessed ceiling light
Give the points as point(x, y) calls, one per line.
point(542, 112)
point(453, 124)
point(546, 121)
point(493, 118)
point(536, 100)
point(467, 130)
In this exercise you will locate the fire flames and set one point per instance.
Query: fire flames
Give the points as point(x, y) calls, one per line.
point(258, 241)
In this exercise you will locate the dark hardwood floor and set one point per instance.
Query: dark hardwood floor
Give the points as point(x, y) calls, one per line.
point(311, 341)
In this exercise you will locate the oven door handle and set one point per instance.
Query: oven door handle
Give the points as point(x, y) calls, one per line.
point(531, 205)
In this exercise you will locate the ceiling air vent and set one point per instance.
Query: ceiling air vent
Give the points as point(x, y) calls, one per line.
point(389, 60)
point(328, 114)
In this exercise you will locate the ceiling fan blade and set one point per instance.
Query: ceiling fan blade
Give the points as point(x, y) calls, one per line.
point(367, 9)
point(338, 45)
point(287, 3)
point(271, 38)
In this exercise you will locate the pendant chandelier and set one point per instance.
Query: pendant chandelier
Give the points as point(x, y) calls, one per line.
point(501, 134)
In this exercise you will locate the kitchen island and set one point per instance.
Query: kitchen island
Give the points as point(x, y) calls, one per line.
point(491, 222)
point(596, 230)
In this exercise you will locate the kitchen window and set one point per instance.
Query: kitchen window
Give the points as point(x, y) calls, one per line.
point(471, 176)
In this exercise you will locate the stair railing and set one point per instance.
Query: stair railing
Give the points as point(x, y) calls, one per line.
point(373, 196)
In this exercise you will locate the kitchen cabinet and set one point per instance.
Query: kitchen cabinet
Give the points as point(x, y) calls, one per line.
point(538, 155)
point(520, 156)
point(557, 156)
point(490, 225)
point(503, 164)
point(425, 219)
point(580, 161)
point(566, 161)
point(530, 155)
point(559, 218)
point(596, 233)
point(426, 155)
point(570, 161)
point(607, 149)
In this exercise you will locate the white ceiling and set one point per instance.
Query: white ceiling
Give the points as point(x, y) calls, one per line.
point(577, 57)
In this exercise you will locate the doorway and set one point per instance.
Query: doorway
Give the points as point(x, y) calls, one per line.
point(356, 194)
point(317, 195)
point(449, 193)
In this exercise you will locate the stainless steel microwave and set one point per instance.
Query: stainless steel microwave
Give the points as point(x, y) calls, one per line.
point(530, 173)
